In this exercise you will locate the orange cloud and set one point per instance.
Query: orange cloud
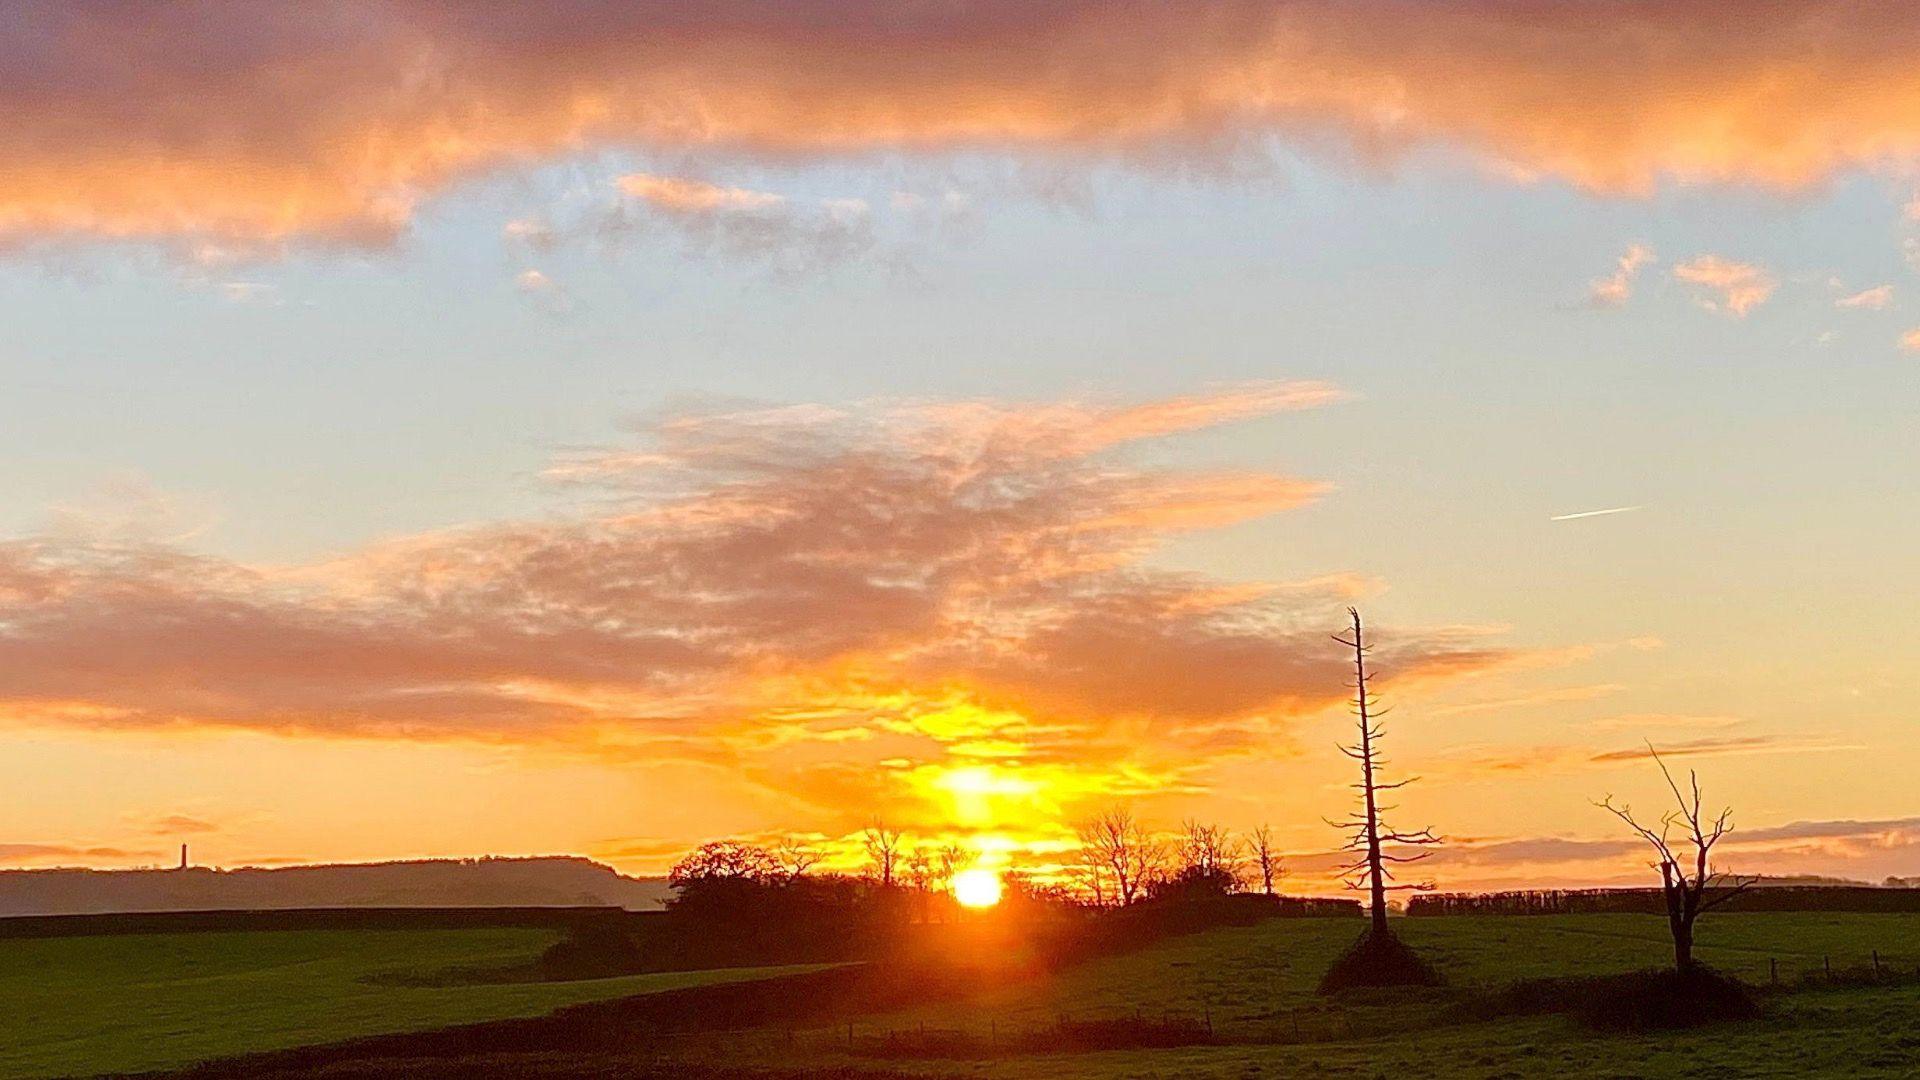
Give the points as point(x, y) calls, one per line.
point(175, 824)
point(800, 595)
point(1733, 287)
point(229, 130)
point(693, 196)
point(63, 854)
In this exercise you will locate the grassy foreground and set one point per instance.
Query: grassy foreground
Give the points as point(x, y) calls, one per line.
point(94, 1004)
point(81, 1005)
point(1256, 987)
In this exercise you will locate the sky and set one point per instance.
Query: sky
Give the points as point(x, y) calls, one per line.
point(600, 428)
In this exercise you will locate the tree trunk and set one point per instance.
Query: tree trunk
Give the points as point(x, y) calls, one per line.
point(1682, 946)
point(1379, 891)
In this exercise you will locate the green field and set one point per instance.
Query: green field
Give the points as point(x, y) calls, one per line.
point(92, 1004)
point(146, 1001)
point(1257, 984)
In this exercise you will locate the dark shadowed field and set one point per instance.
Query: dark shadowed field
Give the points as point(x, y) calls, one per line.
point(1231, 1002)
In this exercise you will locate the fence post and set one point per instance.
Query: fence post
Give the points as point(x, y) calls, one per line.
point(1773, 969)
point(1876, 963)
point(1827, 962)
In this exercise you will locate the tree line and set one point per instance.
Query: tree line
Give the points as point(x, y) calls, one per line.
point(1849, 898)
point(1121, 865)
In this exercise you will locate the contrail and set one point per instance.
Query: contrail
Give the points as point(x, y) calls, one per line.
point(1595, 513)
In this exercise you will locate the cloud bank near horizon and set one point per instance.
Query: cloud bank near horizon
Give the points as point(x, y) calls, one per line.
point(230, 131)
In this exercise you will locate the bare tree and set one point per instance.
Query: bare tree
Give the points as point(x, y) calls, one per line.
point(796, 857)
point(1206, 862)
point(1090, 872)
point(883, 844)
point(1684, 890)
point(1209, 849)
point(1266, 861)
point(1371, 838)
point(949, 860)
point(1122, 854)
point(920, 870)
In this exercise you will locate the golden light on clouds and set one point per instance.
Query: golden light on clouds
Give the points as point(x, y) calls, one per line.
point(228, 131)
point(939, 614)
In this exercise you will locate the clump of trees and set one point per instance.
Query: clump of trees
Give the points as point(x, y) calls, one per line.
point(1118, 858)
point(1207, 862)
point(736, 902)
point(1123, 866)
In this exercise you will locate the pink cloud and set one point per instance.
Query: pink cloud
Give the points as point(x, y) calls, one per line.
point(1872, 299)
point(1613, 290)
point(1725, 285)
point(230, 130)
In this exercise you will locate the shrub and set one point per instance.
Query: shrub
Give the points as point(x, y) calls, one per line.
point(1378, 958)
point(1637, 1001)
point(1665, 998)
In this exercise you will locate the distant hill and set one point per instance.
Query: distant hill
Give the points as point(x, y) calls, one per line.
point(548, 881)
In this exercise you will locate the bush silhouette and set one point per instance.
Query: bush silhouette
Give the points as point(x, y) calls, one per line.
point(1379, 958)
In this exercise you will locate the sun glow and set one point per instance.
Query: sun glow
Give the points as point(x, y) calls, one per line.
point(977, 888)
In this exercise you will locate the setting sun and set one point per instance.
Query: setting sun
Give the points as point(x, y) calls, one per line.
point(977, 888)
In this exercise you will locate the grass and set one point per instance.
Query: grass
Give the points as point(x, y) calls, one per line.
point(1256, 985)
point(147, 1001)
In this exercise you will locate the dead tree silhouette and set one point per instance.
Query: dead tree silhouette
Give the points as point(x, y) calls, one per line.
point(1371, 836)
point(1119, 856)
point(883, 844)
point(1265, 859)
point(1685, 891)
point(796, 857)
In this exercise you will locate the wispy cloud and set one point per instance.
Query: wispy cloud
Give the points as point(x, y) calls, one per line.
point(63, 854)
point(544, 291)
point(1872, 299)
point(790, 236)
point(179, 824)
point(1626, 721)
point(1725, 285)
point(247, 292)
point(680, 195)
point(1731, 745)
point(956, 581)
point(1614, 289)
